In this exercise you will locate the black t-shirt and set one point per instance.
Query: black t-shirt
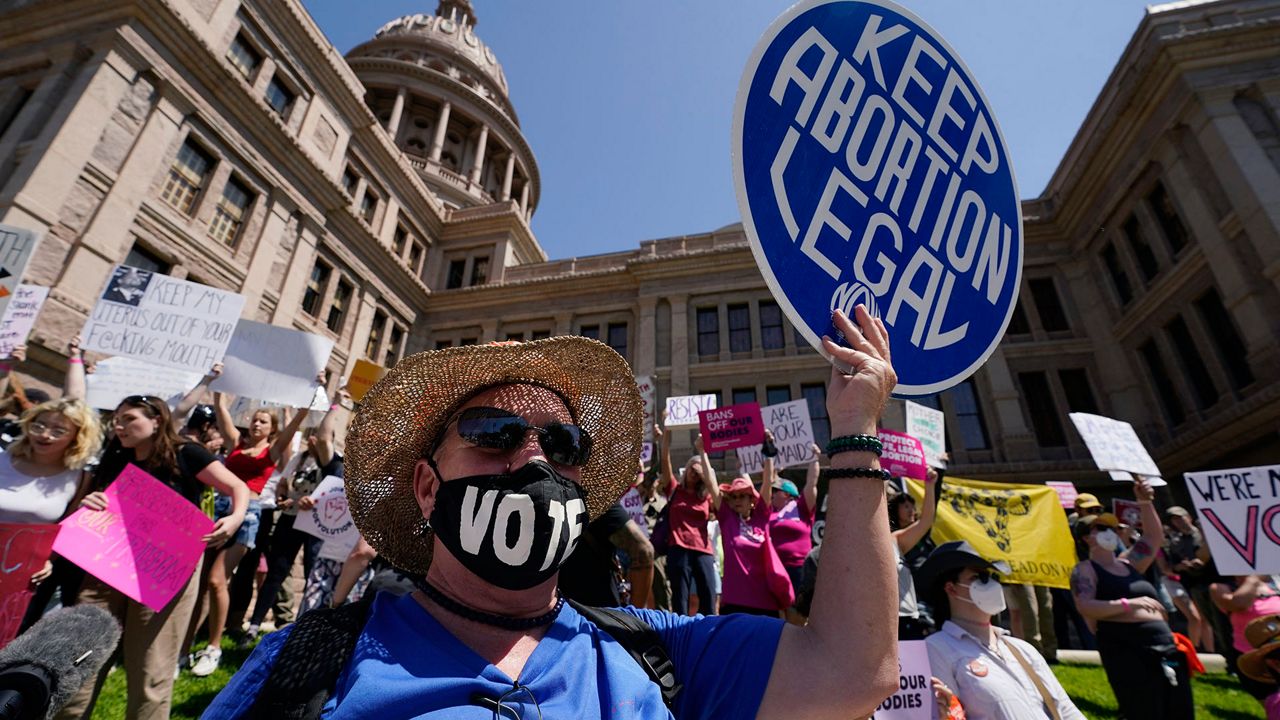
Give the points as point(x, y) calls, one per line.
point(192, 458)
point(587, 576)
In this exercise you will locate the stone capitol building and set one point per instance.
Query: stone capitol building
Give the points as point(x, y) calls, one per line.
point(383, 199)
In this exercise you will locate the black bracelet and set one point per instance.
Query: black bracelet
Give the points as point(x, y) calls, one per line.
point(768, 449)
point(869, 473)
point(854, 443)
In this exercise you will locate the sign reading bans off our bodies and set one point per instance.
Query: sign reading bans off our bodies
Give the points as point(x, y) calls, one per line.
point(870, 170)
point(1240, 516)
point(162, 320)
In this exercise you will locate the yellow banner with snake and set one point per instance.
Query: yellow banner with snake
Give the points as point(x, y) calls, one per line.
point(1023, 525)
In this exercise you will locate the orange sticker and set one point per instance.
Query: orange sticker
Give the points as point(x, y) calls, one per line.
point(977, 667)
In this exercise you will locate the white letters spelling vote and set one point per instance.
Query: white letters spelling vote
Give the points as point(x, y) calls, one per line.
point(897, 160)
point(477, 521)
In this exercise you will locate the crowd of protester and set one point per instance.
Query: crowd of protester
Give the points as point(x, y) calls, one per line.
point(1147, 598)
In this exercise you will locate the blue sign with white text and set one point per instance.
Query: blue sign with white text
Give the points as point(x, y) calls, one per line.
point(870, 169)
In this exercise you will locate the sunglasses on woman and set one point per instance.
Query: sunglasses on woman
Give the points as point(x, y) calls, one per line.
point(497, 429)
point(146, 400)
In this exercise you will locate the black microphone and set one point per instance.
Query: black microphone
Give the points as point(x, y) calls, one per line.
point(42, 669)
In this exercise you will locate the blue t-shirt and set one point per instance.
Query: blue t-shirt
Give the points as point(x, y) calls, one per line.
point(407, 665)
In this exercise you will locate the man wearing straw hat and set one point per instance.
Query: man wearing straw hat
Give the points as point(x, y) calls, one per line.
point(478, 468)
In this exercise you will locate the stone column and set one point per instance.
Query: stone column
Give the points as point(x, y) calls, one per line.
point(364, 323)
point(298, 274)
point(524, 199)
point(255, 280)
point(679, 345)
point(397, 109)
point(507, 175)
point(477, 163)
point(1010, 425)
point(488, 331)
point(442, 124)
point(646, 359)
point(564, 324)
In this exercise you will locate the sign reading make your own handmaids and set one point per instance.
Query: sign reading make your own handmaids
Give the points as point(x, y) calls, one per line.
point(17, 245)
point(162, 320)
point(1238, 514)
point(792, 430)
point(20, 316)
point(870, 170)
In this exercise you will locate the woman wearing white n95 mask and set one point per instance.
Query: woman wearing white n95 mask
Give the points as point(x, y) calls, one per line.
point(995, 676)
point(1147, 672)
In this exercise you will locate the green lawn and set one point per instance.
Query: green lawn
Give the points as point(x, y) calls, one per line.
point(1217, 696)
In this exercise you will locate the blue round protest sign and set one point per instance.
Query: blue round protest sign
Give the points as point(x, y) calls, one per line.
point(870, 169)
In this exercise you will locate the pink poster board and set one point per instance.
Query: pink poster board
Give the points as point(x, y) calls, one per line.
point(731, 427)
point(903, 455)
point(1129, 511)
point(145, 544)
point(24, 548)
point(1066, 492)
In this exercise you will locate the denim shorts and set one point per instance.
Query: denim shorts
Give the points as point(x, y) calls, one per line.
point(248, 531)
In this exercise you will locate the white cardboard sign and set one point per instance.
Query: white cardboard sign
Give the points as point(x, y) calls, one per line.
point(115, 379)
point(273, 363)
point(1114, 445)
point(162, 320)
point(17, 245)
point(914, 698)
point(792, 433)
point(330, 520)
point(929, 427)
point(20, 317)
point(1238, 510)
point(682, 410)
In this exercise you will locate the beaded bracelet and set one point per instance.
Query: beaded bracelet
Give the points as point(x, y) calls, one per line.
point(869, 473)
point(854, 443)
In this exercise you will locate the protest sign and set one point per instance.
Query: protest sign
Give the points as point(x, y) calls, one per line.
point(363, 376)
point(648, 401)
point(1022, 525)
point(273, 363)
point(792, 433)
point(929, 427)
point(1238, 510)
point(162, 320)
point(633, 503)
point(24, 549)
point(20, 317)
point(646, 452)
point(870, 169)
point(330, 520)
point(17, 245)
point(1114, 445)
point(902, 455)
point(914, 698)
point(145, 544)
point(1066, 492)
point(117, 378)
point(682, 410)
point(731, 427)
point(1128, 511)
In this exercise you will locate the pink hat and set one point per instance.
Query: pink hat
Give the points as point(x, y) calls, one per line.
point(739, 484)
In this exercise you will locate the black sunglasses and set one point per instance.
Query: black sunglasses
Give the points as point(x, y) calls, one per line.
point(498, 429)
point(147, 400)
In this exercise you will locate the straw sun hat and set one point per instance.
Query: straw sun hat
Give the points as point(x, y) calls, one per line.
point(405, 412)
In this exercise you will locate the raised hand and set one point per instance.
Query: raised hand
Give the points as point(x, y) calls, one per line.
point(856, 399)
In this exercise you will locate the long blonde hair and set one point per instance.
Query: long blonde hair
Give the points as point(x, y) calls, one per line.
point(88, 439)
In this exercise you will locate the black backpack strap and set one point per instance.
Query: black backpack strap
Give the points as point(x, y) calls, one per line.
point(306, 670)
point(641, 641)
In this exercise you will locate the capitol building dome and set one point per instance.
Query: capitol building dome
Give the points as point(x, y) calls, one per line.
point(441, 94)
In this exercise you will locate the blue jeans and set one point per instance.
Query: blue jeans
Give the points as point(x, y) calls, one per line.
point(688, 568)
point(247, 535)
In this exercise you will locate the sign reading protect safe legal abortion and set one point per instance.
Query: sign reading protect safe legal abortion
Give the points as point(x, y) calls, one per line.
point(1240, 515)
point(731, 427)
point(870, 170)
point(162, 320)
point(145, 544)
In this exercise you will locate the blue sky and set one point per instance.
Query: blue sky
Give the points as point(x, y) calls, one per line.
point(627, 104)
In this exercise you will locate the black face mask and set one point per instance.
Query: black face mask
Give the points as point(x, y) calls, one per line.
point(512, 530)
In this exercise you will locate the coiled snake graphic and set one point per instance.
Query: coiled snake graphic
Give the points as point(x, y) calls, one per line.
point(965, 502)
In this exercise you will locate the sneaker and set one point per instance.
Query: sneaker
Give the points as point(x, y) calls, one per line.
point(207, 662)
point(249, 639)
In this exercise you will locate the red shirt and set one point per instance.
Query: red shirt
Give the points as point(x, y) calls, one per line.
point(687, 514)
point(254, 470)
